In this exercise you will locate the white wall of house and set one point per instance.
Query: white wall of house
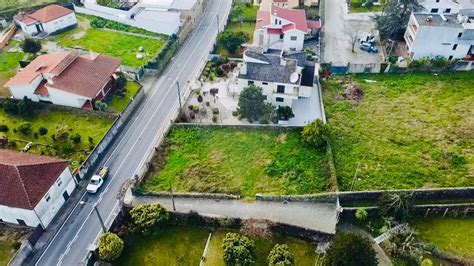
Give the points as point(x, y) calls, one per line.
point(441, 6)
point(22, 90)
point(60, 23)
point(28, 29)
point(293, 40)
point(61, 97)
point(10, 215)
point(270, 90)
point(53, 200)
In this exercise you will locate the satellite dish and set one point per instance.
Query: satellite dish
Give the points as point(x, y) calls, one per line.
point(294, 77)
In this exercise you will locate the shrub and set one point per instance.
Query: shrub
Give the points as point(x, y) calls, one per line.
point(110, 247)
point(215, 118)
point(281, 256)
point(10, 107)
point(404, 245)
point(76, 138)
point(238, 250)
point(12, 144)
point(426, 262)
point(231, 40)
point(146, 216)
point(101, 106)
point(25, 128)
point(200, 98)
point(215, 111)
point(369, 4)
point(361, 214)
point(397, 205)
point(251, 103)
point(91, 139)
point(350, 249)
point(356, 3)
point(25, 107)
point(316, 134)
point(43, 131)
point(285, 113)
point(31, 46)
point(3, 128)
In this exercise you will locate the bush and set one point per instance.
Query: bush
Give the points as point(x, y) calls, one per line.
point(10, 107)
point(356, 3)
point(110, 247)
point(350, 249)
point(238, 250)
point(31, 46)
point(146, 216)
point(316, 134)
point(43, 131)
point(25, 107)
point(281, 256)
point(76, 138)
point(25, 128)
point(3, 128)
point(397, 205)
point(361, 214)
point(231, 40)
point(285, 113)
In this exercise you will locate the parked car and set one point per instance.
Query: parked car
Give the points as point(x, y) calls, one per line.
point(97, 180)
point(368, 47)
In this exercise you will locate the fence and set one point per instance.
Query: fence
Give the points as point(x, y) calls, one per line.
point(95, 156)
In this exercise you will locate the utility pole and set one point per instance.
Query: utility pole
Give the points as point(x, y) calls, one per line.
point(98, 214)
point(179, 97)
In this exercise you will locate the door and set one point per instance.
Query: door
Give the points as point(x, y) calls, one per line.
point(65, 196)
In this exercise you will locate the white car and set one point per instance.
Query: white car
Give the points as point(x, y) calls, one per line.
point(94, 184)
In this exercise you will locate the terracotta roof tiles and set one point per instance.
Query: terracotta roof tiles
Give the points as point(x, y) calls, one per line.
point(51, 12)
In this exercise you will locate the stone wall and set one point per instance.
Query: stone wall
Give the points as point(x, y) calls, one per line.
point(188, 195)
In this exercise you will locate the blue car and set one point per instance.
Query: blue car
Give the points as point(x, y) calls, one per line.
point(368, 47)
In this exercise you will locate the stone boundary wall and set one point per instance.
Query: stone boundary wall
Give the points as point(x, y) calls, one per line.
point(239, 127)
point(164, 194)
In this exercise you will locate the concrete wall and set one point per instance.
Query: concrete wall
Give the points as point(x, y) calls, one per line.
point(22, 90)
point(47, 209)
point(60, 97)
point(296, 45)
point(8, 34)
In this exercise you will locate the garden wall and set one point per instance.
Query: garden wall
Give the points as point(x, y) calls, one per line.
point(94, 157)
point(187, 195)
point(5, 38)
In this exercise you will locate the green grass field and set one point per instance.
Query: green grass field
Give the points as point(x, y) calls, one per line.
point(237, 161)
point(117, 44)
point(87, 126)
point(409, 131)
point(9, 63)
point(249, 12)
point(304, 253)
point(12, 4)
point(452, 235)
point(117, 104)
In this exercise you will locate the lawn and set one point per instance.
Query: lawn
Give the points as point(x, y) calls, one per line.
point(246, 27)
point(174, 245)
point(9, 63)
point(452, 235)
point(408, 131)
point(10, 242)
point(304, 253)
point(237, 161)
point(363, 9)
point(249, 12)
point(13, 4)
point(91, 128)
point(117, 44)
point(118, 104)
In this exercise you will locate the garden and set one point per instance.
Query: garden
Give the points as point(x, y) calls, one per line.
point(401, 131)
point(120, 99)
point(233, 161)
point(9, 63)
point(112, 39)
point(10, 242)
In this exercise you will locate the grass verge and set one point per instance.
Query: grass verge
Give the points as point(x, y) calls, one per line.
point(225, 160)
point(408, 131)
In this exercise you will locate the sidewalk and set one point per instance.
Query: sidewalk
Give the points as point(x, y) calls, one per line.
point(316, 216)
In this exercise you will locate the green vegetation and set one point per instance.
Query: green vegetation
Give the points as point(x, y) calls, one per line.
point(350, 249)
point(452, 235)
point(356, 7)
point(60, 126)
point(10, 242)
point(13, 4)
point(117, 44)
point(405, 131)
point(303, 252)
point(236, 161)
point(98, 22)
point(173, 245)
point(241, 12)
point(247, 28)
point(110, 246)
point(9, 63)
point(145, 218)
point(118, 104)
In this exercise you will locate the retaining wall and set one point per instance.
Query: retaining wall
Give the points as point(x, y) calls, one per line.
point(188, 195)
point(5, 38)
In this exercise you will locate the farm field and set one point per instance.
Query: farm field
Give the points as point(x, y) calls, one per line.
point(407, 131)
point(234, 161)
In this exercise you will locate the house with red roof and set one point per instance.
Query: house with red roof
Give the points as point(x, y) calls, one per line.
point(66, 78)
point(282, 29)
point(33, 188)
point(47, 20)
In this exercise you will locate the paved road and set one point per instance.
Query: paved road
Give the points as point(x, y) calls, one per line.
point(82, 227)
point(318, 216)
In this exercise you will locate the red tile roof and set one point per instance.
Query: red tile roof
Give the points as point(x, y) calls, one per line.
point(297, 16)
point(25, 178)
point(263, 19)
point(314, 24)
point(274, 31)
point(51, 12)
point(42, 90)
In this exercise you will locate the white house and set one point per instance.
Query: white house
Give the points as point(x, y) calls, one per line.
point(33, 188)
point(281, 29)
point(283, 78)
point(447, 35)
point(66, 78)
point(445, 6)
point(47, 20)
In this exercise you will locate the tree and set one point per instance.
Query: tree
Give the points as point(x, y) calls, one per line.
point(238, 250)
point(237, 12)
point(146, 216)
point(281, 256)
point(251, 103)
point(120, 82)
point(25, 128)
point(397, 205)
point(285, 113)
point(350, 249)
point(231, 40)
point(403, 245)
point(110, 247)
point(25, 107)
point(316, 134)
point(352, 33)
point(394, 19)
point(10, 107)
point(31, 46)
point(269, 113)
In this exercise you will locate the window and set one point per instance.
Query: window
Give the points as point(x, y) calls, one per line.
point(459, 35)
point(265, 97)
point(281, 36)
point(447, 10)
point(293, 49)
point(450, 57)
point(280, 89)
point(250, 82)
point(264, 83)
point(434, 10)
point(437, 1)
point(47, 197)
point(294, 38)
point(279, 99)
point(21, 222)
point(59, 182)
point(276, 21)
point(455, 46)
point(279, 22)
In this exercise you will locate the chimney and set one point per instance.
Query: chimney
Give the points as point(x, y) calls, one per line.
point(49, 79)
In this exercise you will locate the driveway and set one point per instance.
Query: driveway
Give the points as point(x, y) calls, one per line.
point(317, 216)
point(338, 26)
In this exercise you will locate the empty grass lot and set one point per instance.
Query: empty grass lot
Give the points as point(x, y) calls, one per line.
point(117, 44)
point(452, 235)
point(409, 131)
point(9, 63)
point(304, 253)
point(88, 126)
point(118, 104)
point(236, 161)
